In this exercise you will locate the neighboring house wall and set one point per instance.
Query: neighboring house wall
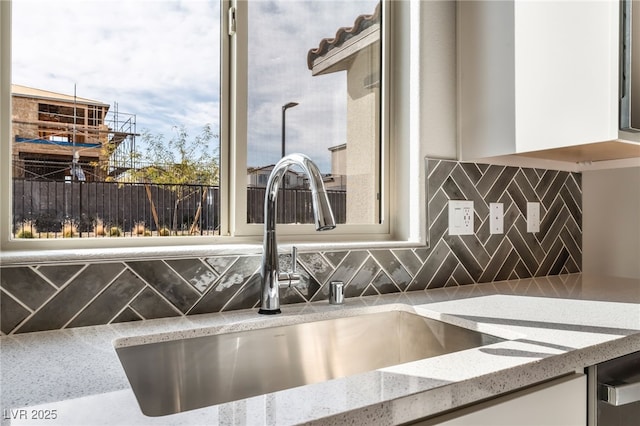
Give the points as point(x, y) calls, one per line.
point(339, 159)
point(258, 178)
point(22, 112)
point(337, 180)
point(363, 124)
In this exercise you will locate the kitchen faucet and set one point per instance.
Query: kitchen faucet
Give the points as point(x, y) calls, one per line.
point(272, 279)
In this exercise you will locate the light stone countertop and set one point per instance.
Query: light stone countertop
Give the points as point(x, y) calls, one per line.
point(553, 326)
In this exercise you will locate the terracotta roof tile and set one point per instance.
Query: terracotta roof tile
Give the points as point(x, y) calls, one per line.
point(343, 34)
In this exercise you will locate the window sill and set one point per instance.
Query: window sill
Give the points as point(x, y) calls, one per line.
point(29, 257)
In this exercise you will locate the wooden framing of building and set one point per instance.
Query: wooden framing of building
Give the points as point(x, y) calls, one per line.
point(49, 129)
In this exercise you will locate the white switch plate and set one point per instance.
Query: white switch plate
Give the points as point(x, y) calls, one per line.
point(460, 217)
point(533, 217)
point(496, 218)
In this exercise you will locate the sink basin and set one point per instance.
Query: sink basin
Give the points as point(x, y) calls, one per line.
point(179, 375)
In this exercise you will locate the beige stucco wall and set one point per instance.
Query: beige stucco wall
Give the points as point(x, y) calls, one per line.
point(339, 160)
point(363, 136)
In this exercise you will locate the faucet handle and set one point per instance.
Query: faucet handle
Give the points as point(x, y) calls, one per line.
point(294, 259)
point(286, 279)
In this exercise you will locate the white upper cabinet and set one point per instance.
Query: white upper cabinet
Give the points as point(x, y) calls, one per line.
point(538, 75)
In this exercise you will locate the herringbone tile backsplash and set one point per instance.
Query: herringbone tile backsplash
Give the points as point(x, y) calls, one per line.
point(53, 296)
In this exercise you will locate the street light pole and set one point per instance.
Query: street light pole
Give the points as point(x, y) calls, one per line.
point(285, 107)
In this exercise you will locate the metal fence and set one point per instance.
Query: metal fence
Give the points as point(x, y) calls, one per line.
point(57, 209)
point(294, 206)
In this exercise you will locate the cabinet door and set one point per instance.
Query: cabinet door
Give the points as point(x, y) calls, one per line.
point(536, 75)
point(566, 65)
point(562, 402)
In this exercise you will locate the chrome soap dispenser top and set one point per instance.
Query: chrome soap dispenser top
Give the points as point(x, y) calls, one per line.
point(336, 293)
point(271, 278)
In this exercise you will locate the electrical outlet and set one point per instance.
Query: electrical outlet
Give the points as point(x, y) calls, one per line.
point(496, 218)
point(533, 217)
point(461, 217)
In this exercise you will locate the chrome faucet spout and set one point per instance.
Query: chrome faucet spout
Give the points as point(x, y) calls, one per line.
point(271, 278)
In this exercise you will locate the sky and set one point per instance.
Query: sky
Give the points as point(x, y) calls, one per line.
point(159, 60)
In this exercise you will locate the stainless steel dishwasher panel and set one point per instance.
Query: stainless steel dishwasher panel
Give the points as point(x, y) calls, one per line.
point(615, 392)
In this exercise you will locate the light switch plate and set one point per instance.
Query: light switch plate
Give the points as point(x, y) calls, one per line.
point(496, 218)
point(461, 217)
point(533, 217)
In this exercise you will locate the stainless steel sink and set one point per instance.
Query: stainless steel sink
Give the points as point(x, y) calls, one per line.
point(180, 375)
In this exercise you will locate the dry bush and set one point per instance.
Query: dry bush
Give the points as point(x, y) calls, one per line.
point(69, 229)
point(99, 229)
point(138, 229)
point(26, 229)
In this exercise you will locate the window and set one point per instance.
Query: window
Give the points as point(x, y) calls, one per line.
point(314, 85)
point(139, 104)
point(299, 76)
point(313, 76)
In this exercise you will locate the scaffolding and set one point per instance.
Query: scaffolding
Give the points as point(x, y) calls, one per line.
point(122, 138)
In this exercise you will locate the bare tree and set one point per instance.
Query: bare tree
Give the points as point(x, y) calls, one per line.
point(177, 163)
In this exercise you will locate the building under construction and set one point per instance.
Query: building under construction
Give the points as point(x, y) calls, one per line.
point(65, 137)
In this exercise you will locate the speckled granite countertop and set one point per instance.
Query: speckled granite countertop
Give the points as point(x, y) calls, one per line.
point(554, 326)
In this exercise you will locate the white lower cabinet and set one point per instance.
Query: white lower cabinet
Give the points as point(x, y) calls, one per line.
point(561, 402)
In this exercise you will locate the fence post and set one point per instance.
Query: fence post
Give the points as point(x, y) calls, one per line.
point(196, 217)
point(153, 206)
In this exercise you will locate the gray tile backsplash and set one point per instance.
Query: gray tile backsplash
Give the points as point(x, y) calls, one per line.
point(52, 296)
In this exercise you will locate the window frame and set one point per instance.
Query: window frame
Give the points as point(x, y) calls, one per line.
point(239, 69)
point(235, 233)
